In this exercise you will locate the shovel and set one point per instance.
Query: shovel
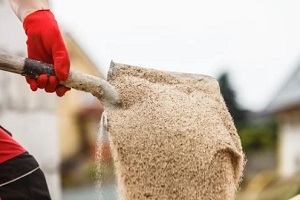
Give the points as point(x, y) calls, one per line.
point(171, 134)
point(100, 88)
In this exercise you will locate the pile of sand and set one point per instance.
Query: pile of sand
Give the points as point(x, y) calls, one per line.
point(173, 138)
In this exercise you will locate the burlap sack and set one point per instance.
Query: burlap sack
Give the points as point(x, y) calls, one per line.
point(173, 138)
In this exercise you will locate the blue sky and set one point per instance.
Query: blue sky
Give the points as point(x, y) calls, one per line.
point(257, 42)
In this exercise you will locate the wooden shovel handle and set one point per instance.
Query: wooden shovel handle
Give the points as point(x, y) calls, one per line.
point(100, 88)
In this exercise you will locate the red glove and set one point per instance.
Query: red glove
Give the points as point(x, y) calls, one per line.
point(45, 43)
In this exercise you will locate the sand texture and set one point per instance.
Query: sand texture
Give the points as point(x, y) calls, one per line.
point(173, 138)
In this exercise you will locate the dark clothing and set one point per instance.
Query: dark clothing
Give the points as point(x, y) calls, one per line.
point(16, 167)
point(30, 187)
point(20, 175)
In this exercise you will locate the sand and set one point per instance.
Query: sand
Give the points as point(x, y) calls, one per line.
point(173, 138)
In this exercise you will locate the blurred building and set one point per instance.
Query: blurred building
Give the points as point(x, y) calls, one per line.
point(55, 130)
point(286, 106)
point(79, 114)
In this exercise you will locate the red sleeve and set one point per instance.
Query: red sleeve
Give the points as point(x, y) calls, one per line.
point(9, 148)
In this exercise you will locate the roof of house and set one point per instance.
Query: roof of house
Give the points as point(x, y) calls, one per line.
point(288, 96)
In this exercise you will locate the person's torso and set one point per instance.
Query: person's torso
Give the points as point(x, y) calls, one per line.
point(15, 161)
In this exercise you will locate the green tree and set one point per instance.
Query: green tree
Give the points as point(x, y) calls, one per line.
point(254, 135)
point(229, 95)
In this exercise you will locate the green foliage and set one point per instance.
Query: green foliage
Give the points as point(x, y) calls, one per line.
point(229, 96)
point(258, 137)
point(254, 136)
point(100, 171)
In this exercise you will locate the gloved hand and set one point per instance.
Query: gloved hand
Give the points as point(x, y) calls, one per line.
point(45, 43)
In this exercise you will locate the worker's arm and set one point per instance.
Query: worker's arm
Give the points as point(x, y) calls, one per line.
point(44, 43)
point(24, 7)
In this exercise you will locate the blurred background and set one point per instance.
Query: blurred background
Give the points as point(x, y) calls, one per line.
point(251, 48)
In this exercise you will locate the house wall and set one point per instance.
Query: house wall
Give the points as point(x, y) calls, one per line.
point(73, 102)
point(289, 142)
point(69, 136)
point(12, 34)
